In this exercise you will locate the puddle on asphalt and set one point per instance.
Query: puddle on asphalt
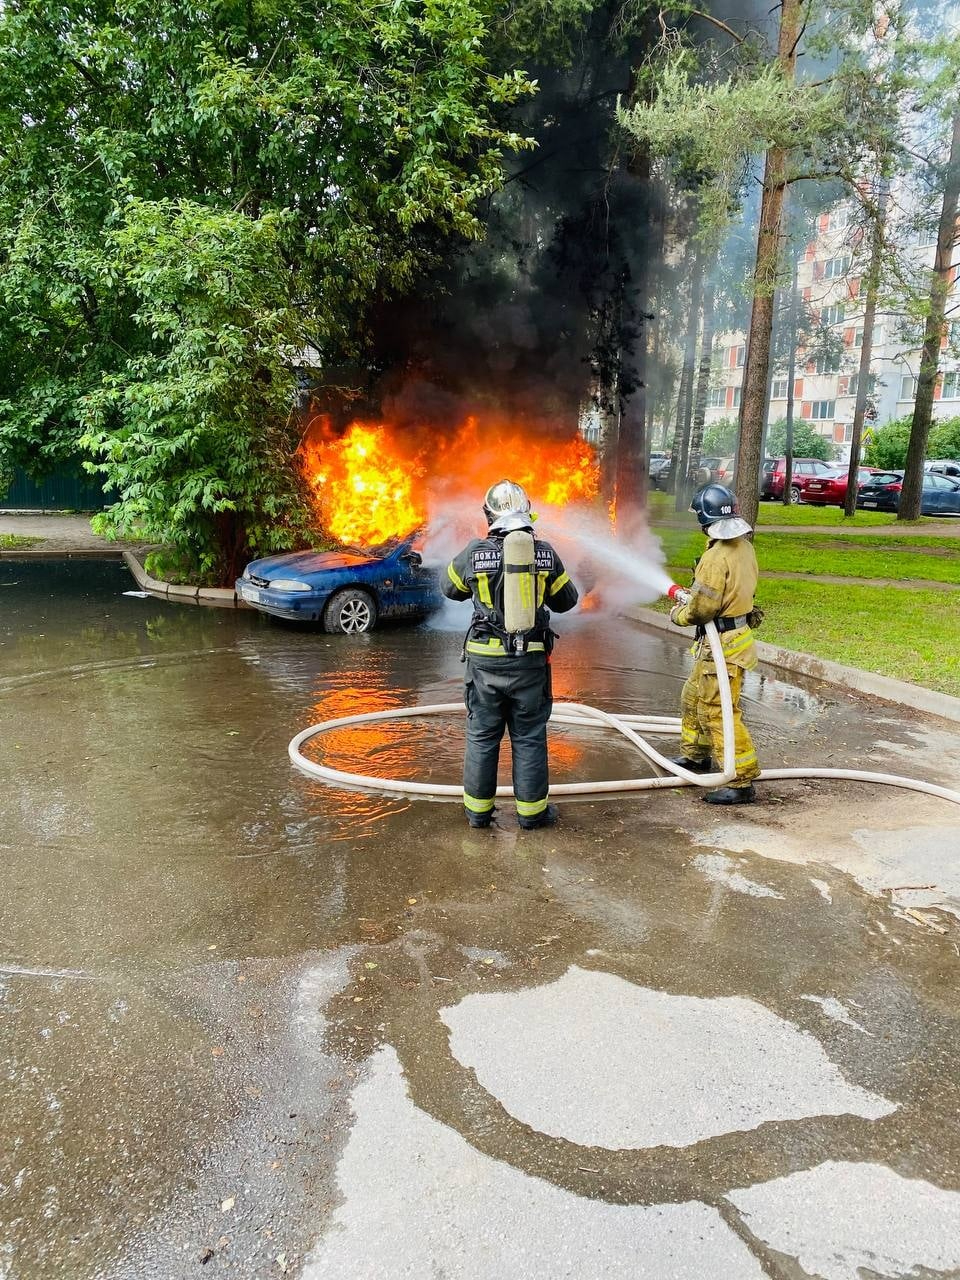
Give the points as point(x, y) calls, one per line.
point(644, 1068)
point(165, 872)
point(417, 1200)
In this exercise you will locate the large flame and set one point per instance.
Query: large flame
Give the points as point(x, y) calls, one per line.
point(374, 481)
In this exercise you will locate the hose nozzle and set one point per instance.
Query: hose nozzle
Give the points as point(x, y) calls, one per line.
point(678, 593)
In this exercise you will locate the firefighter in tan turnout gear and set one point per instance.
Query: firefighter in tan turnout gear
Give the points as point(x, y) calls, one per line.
point(514, 581)
point(725, 581)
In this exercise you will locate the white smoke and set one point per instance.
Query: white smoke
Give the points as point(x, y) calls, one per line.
point(609, 573)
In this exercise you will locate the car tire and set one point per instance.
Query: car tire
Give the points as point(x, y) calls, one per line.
point(794, 494)
point(350, 612)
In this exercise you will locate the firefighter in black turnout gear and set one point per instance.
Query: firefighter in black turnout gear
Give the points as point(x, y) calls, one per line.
point(514, 581)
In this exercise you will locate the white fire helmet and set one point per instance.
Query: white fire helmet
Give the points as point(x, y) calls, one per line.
point(503, 497)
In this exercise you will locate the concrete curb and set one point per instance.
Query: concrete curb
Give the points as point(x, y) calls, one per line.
point(806, 664)
point(64, 553)
point(211, 597)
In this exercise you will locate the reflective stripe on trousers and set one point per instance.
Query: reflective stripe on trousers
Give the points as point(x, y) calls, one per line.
point(701, 721)
point(507, 694)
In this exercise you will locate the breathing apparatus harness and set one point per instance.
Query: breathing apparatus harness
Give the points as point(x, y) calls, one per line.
point(512, 615)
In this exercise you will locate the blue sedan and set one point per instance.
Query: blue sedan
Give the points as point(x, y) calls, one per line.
point(939, 497)
point(348, 591)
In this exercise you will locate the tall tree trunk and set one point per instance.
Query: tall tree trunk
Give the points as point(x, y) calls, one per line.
point(791, 380)
point(912, 493)
point(703, 373)
point(685, 399)
point(753, 403)
point(866, 350)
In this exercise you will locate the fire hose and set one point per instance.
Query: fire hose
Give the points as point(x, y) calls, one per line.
point(631, 727)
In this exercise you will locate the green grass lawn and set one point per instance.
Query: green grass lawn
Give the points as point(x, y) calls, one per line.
point(13, 541)
point(914, 636)
point(661, 509)
point(803, 513)
point(909, 635)
point(937, 559)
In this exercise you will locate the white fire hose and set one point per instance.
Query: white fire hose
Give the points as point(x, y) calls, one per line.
point(576, 713)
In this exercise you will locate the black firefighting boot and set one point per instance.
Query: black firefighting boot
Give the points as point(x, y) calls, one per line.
point(545, 819)
point(731, 795)
point(479, 819)
point(694, 766)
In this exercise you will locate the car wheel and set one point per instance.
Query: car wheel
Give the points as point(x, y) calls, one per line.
point(794, 493)
point(350, 612)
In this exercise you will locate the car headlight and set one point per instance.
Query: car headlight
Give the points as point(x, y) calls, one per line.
point(289, 584)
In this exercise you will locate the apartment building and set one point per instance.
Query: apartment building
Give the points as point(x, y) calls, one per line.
point(825, 385)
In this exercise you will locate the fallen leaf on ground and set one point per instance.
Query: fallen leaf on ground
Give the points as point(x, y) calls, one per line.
point(227, 1205)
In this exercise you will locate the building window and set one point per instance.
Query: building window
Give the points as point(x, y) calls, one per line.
point(717, 397)
point(823, 410)
point(827, 362)
point(840, 217)
point(953, 334)
point(741, 357)
point(854, 381)
point(951, 386)
point(834, 268)
point(737, 394)
point(779, 389)
point(832, 314)
point(908, 388)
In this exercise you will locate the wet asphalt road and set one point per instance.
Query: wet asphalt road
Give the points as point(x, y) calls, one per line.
point(252, 1026)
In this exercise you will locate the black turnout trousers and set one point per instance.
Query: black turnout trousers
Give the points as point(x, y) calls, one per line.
point(511, 693)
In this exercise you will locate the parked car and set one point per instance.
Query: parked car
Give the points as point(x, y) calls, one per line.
point(348, 591)
point(659, 462)
point(774, 472)
point(831, 491)
point(943, 467)
point(705, 471)
point(715, 471)
point(940, 496)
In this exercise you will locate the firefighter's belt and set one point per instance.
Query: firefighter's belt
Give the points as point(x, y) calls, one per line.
point(728, 623)
point(493, 647)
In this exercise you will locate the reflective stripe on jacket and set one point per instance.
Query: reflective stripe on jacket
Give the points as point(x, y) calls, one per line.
point(477, 573)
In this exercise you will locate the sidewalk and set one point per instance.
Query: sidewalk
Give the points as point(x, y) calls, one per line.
point(839, 579)
point(59, 535)
point(928, 528)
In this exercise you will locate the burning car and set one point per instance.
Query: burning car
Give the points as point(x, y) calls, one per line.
point(348, 591)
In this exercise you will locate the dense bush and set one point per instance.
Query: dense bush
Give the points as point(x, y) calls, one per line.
point(807, 441)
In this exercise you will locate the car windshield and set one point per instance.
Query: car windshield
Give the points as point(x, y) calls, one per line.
point(380, 550)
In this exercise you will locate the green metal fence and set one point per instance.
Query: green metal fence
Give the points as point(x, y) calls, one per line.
point(68, 488)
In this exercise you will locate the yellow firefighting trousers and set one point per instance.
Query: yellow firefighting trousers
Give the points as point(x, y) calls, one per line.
point(701, 721)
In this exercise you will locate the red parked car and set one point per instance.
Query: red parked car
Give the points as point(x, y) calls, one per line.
point(804, 470)
point(830, 491)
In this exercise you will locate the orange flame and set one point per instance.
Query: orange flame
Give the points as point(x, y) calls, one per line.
point(364, 489)
point(375, 481)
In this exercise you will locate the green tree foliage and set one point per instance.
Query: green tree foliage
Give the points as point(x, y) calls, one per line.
point(807, 441)
point(944, 439)
point(193, 190)
point(720, 438)
point(888, 446)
